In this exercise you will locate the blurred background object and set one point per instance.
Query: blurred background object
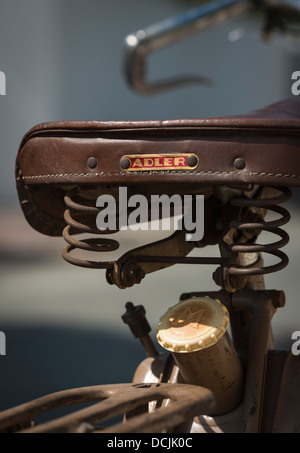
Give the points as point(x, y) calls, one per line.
point(63, 61)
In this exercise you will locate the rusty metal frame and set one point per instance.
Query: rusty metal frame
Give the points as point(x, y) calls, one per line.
point(116, 399)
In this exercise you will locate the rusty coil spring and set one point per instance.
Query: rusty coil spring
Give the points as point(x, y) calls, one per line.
point(270, 204)
point(77, 213)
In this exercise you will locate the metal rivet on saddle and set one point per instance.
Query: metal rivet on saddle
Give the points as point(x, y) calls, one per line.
point(92, 163)
point(124, 163)
point(192, 161)
point(239, 163)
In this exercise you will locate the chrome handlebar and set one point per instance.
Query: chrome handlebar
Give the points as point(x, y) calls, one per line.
point(138, 45)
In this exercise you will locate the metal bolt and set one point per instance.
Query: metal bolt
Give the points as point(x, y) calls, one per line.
point(192, 161)
point(239, 163)
point(92, 162)
point(135, 273)
point(124, 163)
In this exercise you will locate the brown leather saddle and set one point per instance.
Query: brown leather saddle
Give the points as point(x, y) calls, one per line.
point(261, 148)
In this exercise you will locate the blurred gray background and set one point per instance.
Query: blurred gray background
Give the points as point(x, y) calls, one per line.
point(63, 61)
